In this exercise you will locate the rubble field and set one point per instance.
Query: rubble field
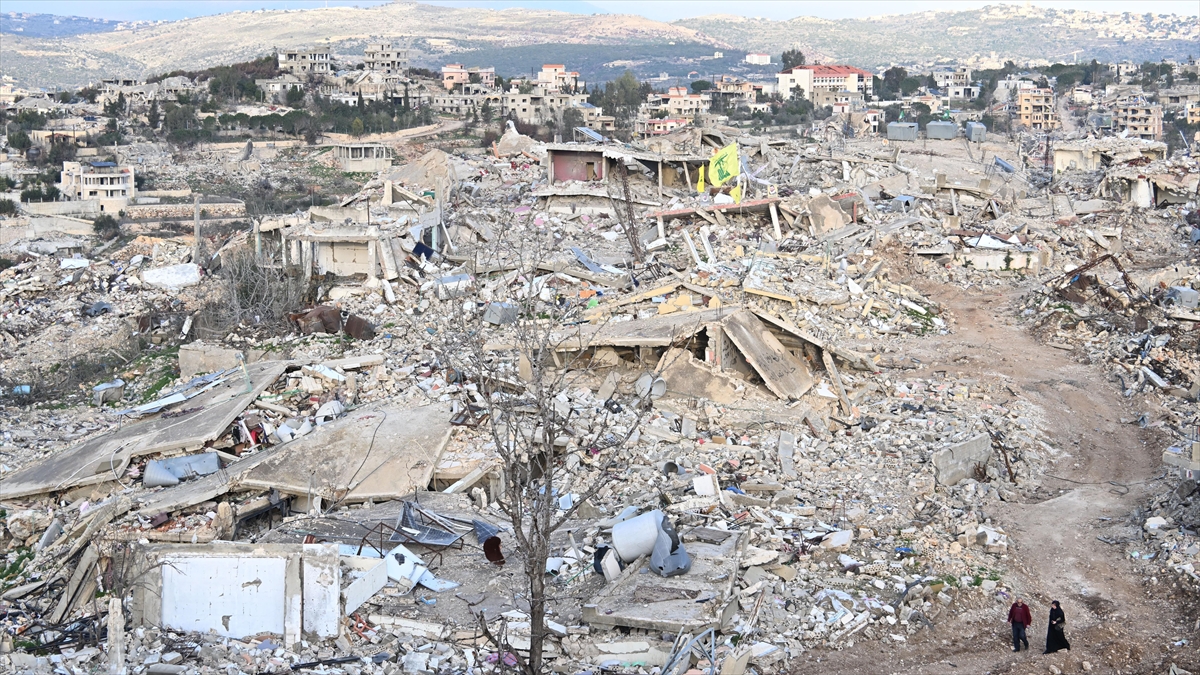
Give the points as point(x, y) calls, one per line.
point(831, 414)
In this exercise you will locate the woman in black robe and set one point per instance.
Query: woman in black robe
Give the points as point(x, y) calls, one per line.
point(1056, 637)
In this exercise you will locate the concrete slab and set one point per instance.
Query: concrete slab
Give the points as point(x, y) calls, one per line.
point(376, 453)
point(106, 457)
point(785, 375)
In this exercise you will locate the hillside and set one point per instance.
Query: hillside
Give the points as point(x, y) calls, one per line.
point(600, 46)
point(240, 36)
point(50, 25)
point(993, 32)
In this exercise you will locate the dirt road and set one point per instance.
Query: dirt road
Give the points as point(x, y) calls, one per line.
point(1118, 622)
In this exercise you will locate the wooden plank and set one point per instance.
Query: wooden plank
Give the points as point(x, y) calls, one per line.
point(831, 368)
point(644, 295)
point(771, 294)
point(747, 206)
point(785, 375)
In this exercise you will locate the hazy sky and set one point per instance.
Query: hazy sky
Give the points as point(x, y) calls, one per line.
point(662, 10)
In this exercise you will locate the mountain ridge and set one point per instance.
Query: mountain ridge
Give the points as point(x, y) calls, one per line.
point(440, 34)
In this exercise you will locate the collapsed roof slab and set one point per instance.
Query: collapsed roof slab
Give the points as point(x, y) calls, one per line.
point(374, 453)
point(106, 457)
point(785, 375)
point(656, 331)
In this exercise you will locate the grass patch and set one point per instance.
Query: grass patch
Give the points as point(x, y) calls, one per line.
point(158, 386)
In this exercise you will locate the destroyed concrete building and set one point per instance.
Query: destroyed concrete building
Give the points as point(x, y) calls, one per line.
point(363, 157)
point(756, 353)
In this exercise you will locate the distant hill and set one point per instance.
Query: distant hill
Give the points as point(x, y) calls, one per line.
point(50, 25)
point(436, 35)
point(996, 31)
point(600, 46)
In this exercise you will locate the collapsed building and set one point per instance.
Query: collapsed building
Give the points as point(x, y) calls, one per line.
point(333, 487)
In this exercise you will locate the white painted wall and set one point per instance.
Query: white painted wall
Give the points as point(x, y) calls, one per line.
point(235, 597)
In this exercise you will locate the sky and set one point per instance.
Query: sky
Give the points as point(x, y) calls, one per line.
point(660, 10)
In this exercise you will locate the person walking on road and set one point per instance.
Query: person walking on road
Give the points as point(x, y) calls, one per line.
point(1020, 618)
point(1056, 637)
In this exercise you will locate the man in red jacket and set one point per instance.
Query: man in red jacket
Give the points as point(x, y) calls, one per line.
point(1020, 618)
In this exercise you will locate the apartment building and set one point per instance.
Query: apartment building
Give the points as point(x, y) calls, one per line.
point(809, 79)
point(454, 74)
point(648, 126)
point(678, 102)
point(1035, 109)
point(543, 104)
point(1009, 87)
point(471, 97)
point(758, 59)
point(1138, 118)
point(1193, 113)
point(106, 182)
point(385, 57)
point(304, 62)
point(1179, 98)
point(556, 76)
point(732, 90)
point(952, 78)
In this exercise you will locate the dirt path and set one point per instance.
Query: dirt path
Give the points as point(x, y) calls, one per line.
point(1116, 624)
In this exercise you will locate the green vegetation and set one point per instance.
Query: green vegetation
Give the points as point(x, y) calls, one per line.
point(234, 82)
point(14, 569)
point(622, 97)
point(19, 140)
point(106, 226)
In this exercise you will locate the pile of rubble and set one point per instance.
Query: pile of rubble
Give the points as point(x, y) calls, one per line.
point(776, 474)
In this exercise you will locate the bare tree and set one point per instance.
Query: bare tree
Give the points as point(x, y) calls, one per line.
point(254, 290)
point(525, 372)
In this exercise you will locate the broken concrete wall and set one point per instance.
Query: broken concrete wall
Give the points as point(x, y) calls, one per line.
point(240, 589)
point(337, 214)
point(581, 166)
point(198, 358)
point(343, 258)
point(1034, 261)
point(688, 376)
point(826, 215)
point(957, 462)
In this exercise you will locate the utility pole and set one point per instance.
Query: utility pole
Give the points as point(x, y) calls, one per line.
point(196, 228)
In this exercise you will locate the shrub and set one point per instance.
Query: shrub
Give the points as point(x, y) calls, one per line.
point(7, 207)
point(106, 226)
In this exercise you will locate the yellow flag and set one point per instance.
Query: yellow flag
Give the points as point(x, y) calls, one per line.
point(724, 165)
point(736, 193)
point(700, 180)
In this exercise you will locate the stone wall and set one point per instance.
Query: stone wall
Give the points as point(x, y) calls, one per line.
point(179, 211)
